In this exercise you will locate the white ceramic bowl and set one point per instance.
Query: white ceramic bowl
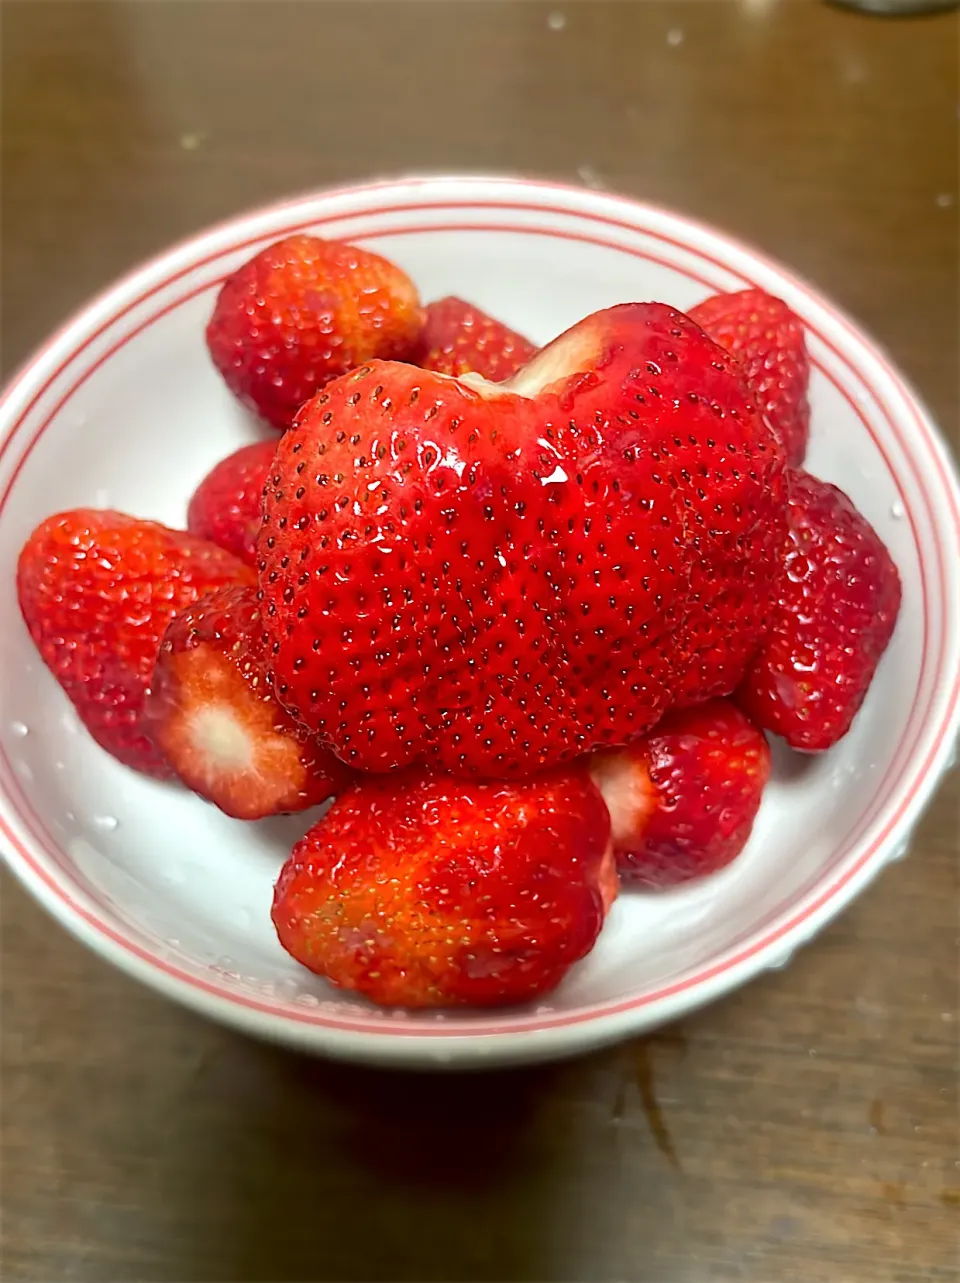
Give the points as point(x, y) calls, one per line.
point(123, 408)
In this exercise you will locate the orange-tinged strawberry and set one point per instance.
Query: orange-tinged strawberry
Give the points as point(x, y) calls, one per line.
point(683, 798)
point(97, 590)
point(423, 890)
point(304, 311)
point(213, 714)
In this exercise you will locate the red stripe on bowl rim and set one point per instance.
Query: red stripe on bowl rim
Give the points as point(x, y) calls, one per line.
point(504, 1026)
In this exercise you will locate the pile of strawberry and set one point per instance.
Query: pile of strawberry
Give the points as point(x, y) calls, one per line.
point(526, 615)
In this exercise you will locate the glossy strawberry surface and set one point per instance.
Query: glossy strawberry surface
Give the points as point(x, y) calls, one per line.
point(836, 610)
point(423, 890)
point(97, 590)
point(497, 581)
point(768, 340)
point(683, 798)
point(459, 338)
point(225, 507)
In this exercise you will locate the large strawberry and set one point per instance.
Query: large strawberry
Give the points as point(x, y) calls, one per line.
point(211, 710)
point(836, 611)
point(683, 798)
point(767, 338)
point(460, 339)
point(97, 590)
point(225, 507)
point(303, 311)
point(423, 890)
point(495, 578)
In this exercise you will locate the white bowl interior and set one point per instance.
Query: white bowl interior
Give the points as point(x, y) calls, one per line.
point(191, 887)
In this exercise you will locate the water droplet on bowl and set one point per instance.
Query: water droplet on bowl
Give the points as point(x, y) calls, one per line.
point(557, 21)
point(897, 510)
point(674, 37)
point(589, 177)
point(105, 823)
point(175, 874)
point(899, 851)
point(24, 771)
point(243, 918)
point(20, 729)
point(288, 989)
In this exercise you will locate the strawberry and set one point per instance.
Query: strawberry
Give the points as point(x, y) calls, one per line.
point(214, 716)
point(302, 312)
point(424, 890)
point(225, 507)
point(683, 798)
point(97, 590)
point(836, 611)
point(459, 339)
point(767, 338)
point(498, 578)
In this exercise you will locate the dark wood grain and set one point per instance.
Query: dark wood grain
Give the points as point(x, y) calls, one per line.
point(806, 1128)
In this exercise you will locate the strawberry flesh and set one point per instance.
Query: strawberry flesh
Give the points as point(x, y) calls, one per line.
point(97, 590)
point(225, 507)
point(425, 890)
point(213, 714)
point(837, 607)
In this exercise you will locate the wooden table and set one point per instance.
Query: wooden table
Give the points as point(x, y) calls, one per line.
point(806, 1128)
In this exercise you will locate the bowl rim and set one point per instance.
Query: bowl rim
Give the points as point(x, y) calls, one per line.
point(500, 1038)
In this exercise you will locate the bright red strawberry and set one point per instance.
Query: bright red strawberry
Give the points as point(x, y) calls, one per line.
point(97, 590)
point(213, 714)
point(495, 579)
point(683, 798)
point(425, 891)
point(460, 339)
point(225, 507)
point(767, 338)
point(303, 312)
point(837, 608)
